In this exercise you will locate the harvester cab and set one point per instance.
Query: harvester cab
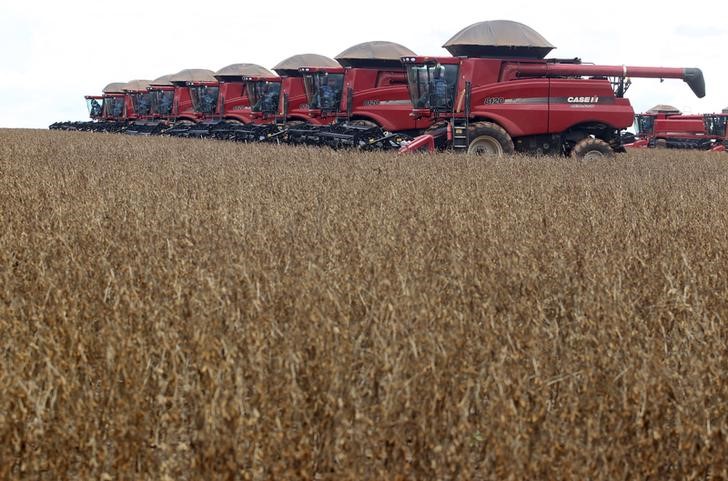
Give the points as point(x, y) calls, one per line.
point(94, 104)
point(138, 99)
point(264, 95)
point(161, 93)
point(293, 105)
point(324, 87)
point(114, 100)
point(505, 96)
point(716, 126)
point(431, 84)
point(204, 97)
point(195, 93)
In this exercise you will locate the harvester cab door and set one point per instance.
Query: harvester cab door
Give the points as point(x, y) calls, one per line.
point(644, 125)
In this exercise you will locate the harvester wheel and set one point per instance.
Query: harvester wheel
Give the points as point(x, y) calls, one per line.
point(592, 149)
point(363, 123)
point(487, 138)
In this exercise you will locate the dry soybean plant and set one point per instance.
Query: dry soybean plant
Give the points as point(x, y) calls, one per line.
point(186, 309)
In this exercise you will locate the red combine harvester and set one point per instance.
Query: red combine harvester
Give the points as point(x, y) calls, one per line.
point(498, 94)
point(293, 108)
point(195, 99)
point(157, 117)
point(365, 99)
point(664, 126)
point(107, 111)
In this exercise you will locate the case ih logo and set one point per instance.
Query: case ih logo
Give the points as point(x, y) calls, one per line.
point(582, 100)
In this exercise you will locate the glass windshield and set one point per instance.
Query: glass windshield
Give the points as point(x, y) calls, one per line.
point(323, 90)
point(113, 106)
point(263, 95)
point(716, 125)
point(204, 98)
point(644, 124)
point(142, 102)
point(94, 107)
point(162, 101)
point(432, 86)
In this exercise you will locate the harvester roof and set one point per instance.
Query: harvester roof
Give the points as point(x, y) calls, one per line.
point(115, 88)
point(498, 38)
point(664, 109)
point(163, 81)
point(725, 110)
point(238, 70)
point(193, 75)
point(290, 66)
point(374, 54)
point(137, 85)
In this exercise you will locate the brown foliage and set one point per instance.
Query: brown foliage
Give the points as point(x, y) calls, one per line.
point(175, 309)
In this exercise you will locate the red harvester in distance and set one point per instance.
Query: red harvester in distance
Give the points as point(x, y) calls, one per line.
point(195, 99)
point(498, 95)
point(664, 126)
point(107, 111)
point(159, 115)
point(366, 97)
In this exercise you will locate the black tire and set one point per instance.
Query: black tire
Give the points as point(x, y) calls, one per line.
point(592, 149)
point(363, 123)
point(487, 138)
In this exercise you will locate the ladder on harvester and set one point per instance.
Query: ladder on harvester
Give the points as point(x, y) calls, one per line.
point(460, 137)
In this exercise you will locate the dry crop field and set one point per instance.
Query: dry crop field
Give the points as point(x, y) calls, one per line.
point(196, 310)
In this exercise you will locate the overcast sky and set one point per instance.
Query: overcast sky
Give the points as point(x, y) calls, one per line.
point(54, 53)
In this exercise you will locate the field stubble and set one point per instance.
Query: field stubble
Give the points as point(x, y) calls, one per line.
point(175, 309)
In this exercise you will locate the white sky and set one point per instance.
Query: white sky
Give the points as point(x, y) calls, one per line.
point(52, 53)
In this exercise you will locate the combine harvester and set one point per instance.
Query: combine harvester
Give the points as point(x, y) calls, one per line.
point(157, 118)
point(364, 100)
point(498, 94)
point(108, 111)
point(195, 99)
point(664, 126)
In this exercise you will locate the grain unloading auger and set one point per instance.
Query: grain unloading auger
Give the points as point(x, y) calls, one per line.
point(499, 95)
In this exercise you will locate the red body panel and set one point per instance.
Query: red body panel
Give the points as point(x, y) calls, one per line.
point(233, 102)
point(382, 97)
point(537, 105)
point(293, 89)
point(683, 126)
